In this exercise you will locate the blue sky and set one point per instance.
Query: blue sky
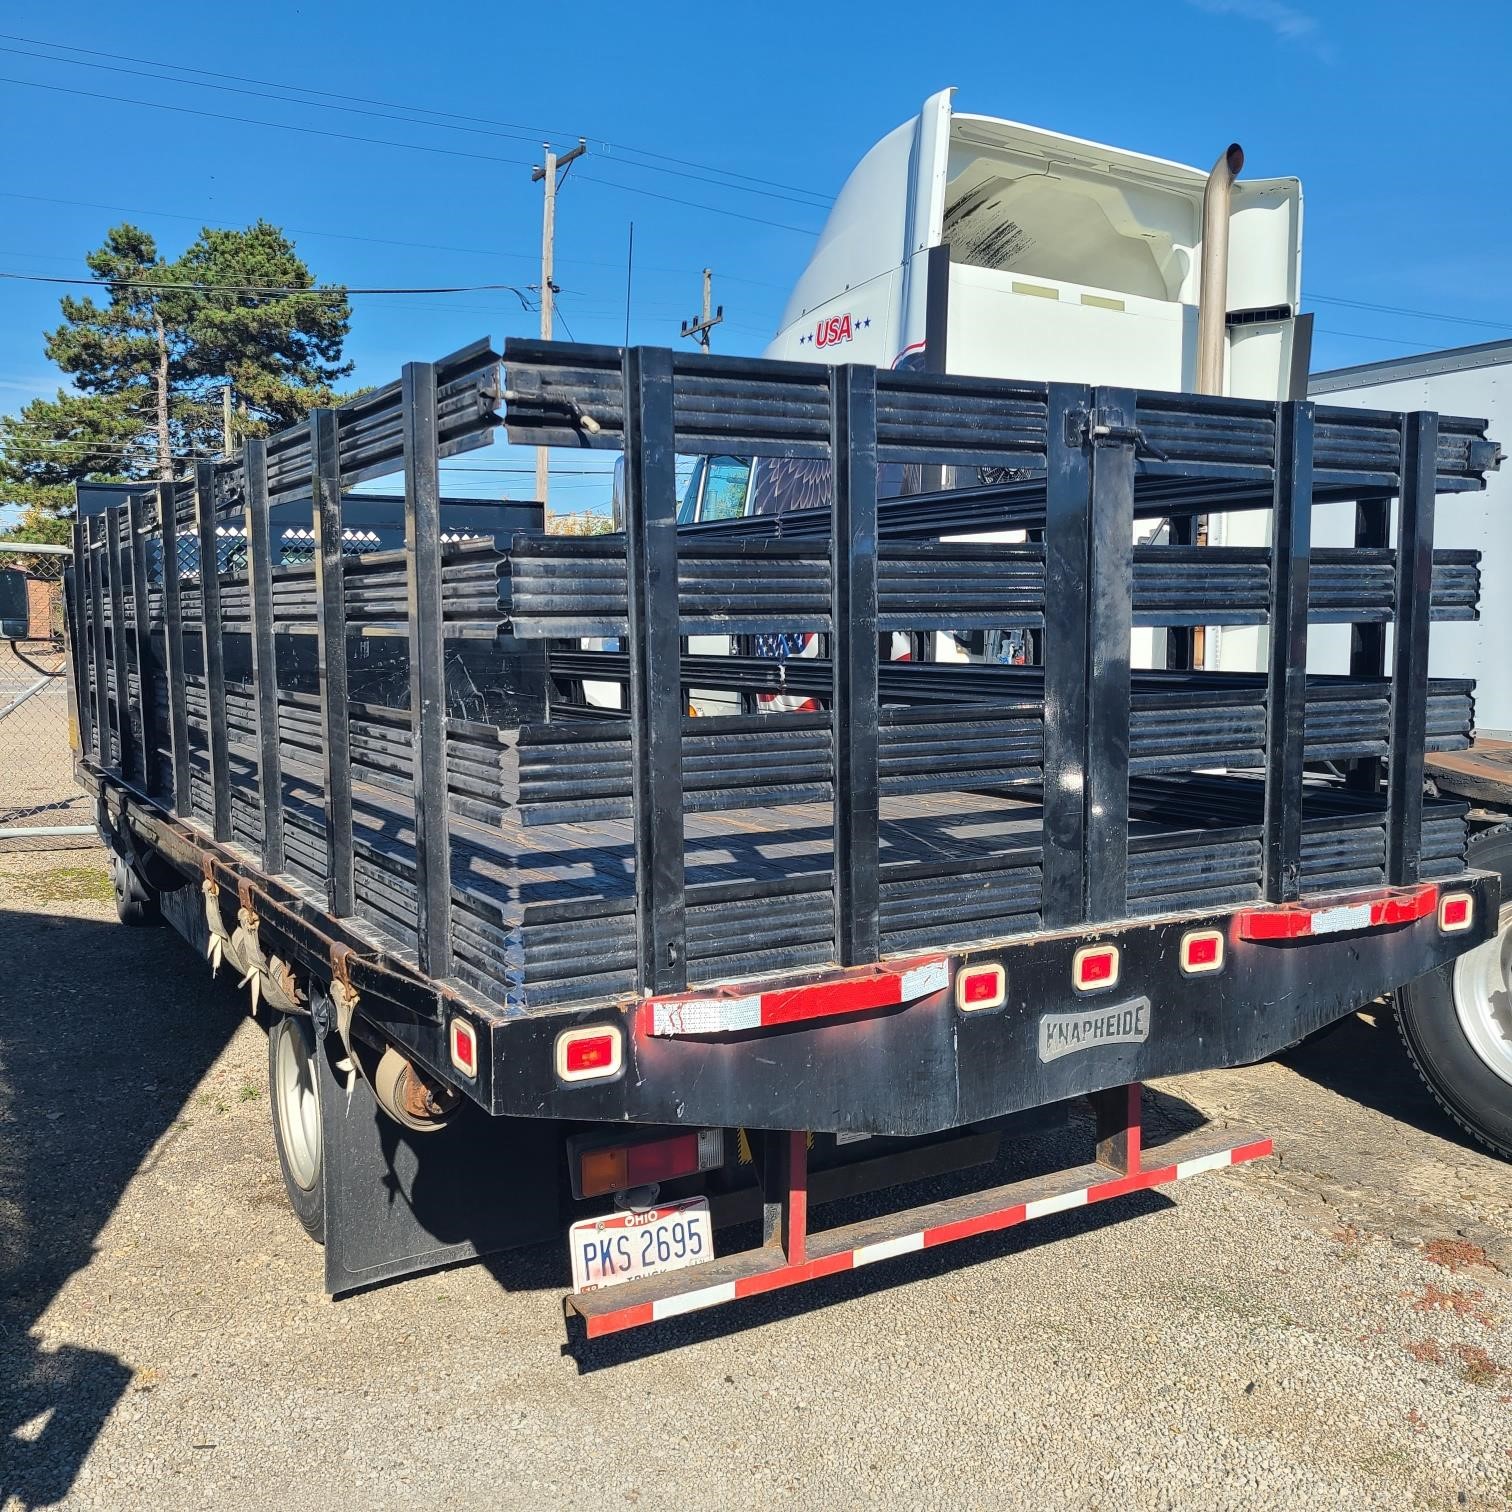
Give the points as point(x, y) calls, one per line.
point(1389, 112)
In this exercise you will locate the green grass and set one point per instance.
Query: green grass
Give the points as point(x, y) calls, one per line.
point(69, 884)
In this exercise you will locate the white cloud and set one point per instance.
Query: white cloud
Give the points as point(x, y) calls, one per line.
point(1287, 22)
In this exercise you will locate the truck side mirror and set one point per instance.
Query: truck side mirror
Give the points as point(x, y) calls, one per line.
point(15, 610)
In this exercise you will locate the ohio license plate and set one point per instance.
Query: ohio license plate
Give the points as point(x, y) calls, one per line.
point(623, 1246)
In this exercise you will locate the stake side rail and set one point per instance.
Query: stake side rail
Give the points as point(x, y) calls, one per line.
point(384, 774)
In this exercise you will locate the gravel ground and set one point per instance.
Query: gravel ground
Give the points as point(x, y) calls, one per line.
point(1330, 1328)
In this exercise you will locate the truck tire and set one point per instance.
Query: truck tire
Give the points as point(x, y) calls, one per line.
point(294, 1098)
point(1457, 1021)
point(136, 903)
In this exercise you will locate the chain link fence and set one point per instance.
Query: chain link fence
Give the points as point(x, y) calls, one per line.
point(41, 806)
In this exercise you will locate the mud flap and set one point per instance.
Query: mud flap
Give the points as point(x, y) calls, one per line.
point(397, 1202)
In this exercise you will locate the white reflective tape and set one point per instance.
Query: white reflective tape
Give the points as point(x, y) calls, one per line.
point(1343, 916)
point(1056, 1204)
point(920, 981)
point(887, 1248)
point(707, 1296)
point(1200, 1163)
point(706, 1016)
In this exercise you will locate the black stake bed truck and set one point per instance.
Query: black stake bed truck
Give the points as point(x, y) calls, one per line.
point(544, 961)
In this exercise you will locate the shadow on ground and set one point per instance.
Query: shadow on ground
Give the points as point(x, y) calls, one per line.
point(86, 1092)
point(1362, 1057)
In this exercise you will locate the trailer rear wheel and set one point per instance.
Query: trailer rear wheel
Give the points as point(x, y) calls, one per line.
point(1457, 1021)
point(294, 1093)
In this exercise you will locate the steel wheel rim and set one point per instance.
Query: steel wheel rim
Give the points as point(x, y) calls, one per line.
point(298, 1107)
point(1483, 997)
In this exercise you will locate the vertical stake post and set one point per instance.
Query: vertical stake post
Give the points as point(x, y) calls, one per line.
point(257, 519)
point(141, 602)
point(655, 653)
point(104, 746)
point(853, 618)
point(78, 639)
point(173, 646)
point(1110, 604)
point(427, 668)
point(1068, 523)
point(120, 670)
point(213, 641)
point(1409, 670)
point(330, 604)
point(1367, 641)
point(1286, 678)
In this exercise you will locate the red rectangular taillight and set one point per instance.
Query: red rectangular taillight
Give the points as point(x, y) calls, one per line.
point(1094, 968)
point(1456, 912)
point(979, 987)
point(1201, 952)
point(617, 1168)
point(464, 1047)
point(589, 1054)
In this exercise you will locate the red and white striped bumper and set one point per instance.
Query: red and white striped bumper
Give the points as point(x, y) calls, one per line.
point(752, 1272)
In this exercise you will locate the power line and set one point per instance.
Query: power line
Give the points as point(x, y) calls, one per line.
point(348, 136)
point(811, 201)
point(1359, 304)
point(532, 133)
point(329, 292)
point(518, 131)
point(377, 241)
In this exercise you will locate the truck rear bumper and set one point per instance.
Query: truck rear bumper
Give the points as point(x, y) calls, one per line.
point(793, 1256)
point(920, 1066)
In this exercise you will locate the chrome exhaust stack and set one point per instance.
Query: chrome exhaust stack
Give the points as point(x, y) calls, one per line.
point(1212, 308)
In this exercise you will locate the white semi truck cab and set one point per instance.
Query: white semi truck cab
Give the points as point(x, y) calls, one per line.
point(975, 245)
point(970, 244)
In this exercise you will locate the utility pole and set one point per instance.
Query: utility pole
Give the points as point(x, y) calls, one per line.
point(550, 174)
point(699, 329)
point(226, 420)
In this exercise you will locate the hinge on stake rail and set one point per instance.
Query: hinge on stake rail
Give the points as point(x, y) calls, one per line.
point(1083, 426)
point(344, 1000)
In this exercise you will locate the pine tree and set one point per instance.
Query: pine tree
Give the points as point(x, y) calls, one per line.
point(149, 360)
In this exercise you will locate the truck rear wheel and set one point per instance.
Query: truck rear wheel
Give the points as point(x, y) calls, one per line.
point(136, 902)
point(294, 1096)
point(1457, 1021)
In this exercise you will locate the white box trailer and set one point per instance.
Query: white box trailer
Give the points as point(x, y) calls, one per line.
point(1470, 380)
point(1457, 1023)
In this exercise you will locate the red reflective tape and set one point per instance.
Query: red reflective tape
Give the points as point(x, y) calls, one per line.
point(1295, 921)
point(1256, 1151)
point(627, 1317)
point(738, 1009)
point(793, 1275)
point(967, 1228)
point(1121, 1186)
point(829, 999)
point(1405, 908)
